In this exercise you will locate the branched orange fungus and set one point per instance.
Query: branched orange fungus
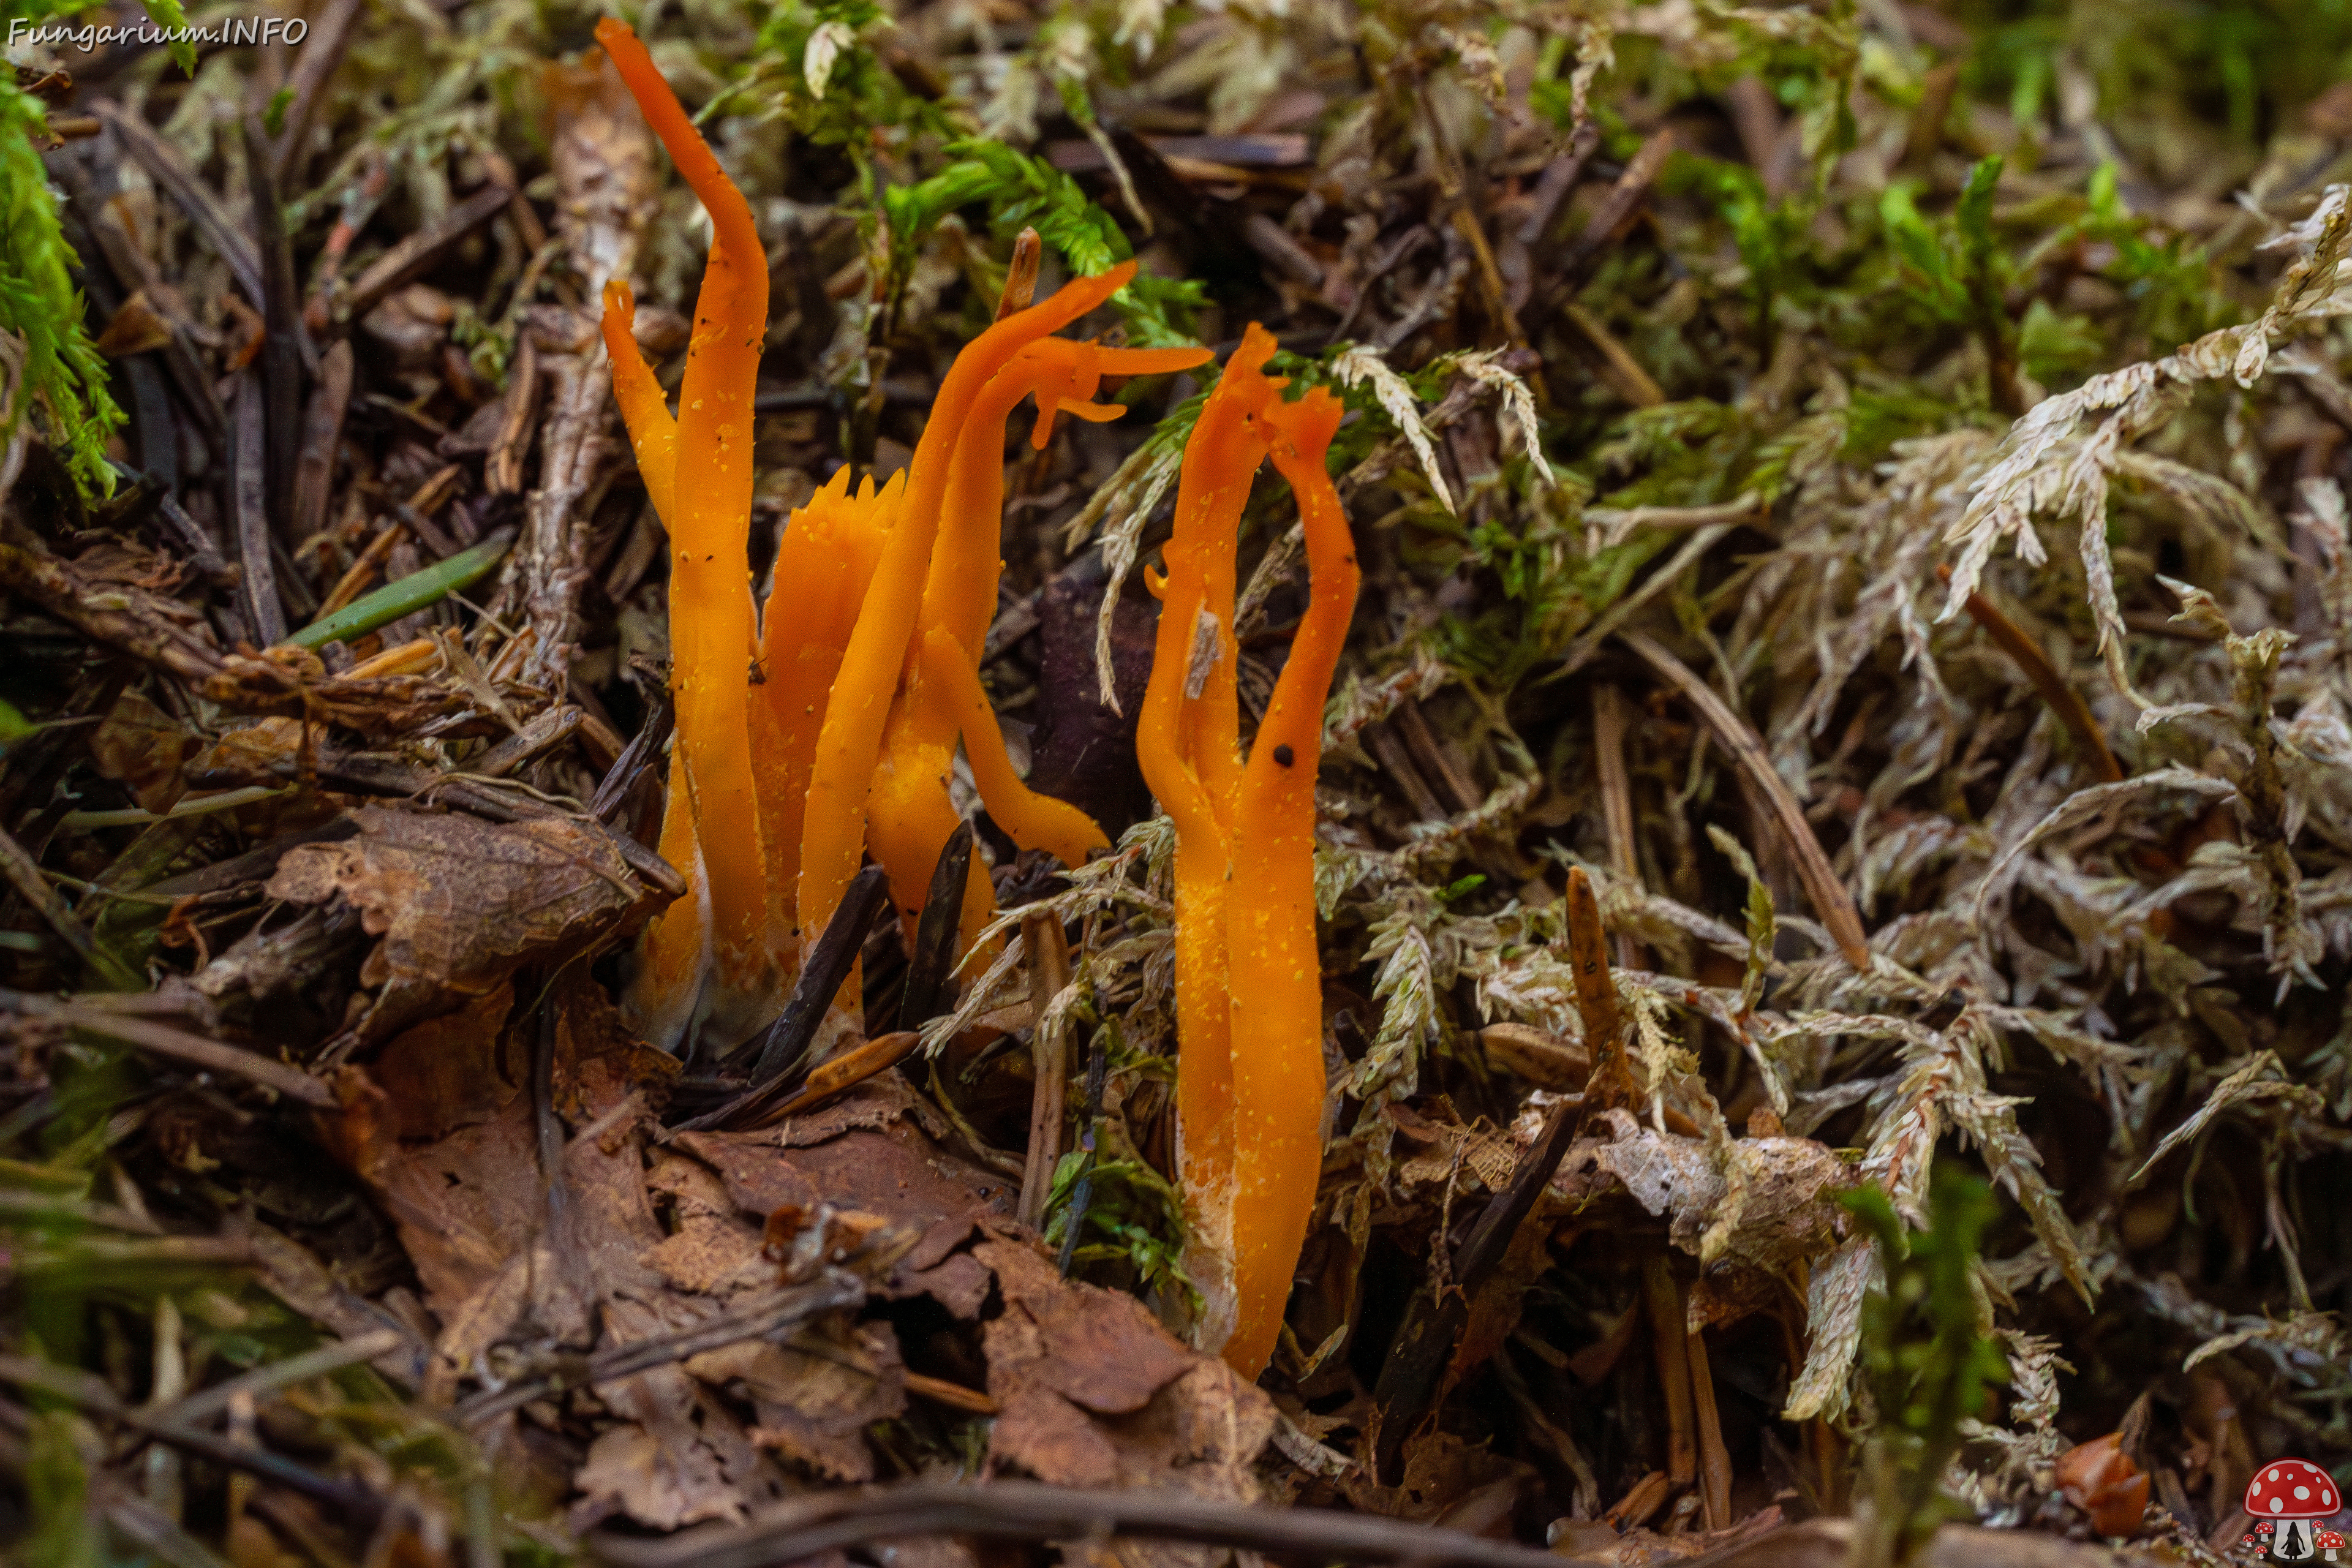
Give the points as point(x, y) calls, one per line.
point(1196, 614)
point(1277, 975)
point(824, 564)
point(1249, 1080)
point(645, 407)
point(712, 618)
point(911, 811)
point(867, 670)
point(906, 790)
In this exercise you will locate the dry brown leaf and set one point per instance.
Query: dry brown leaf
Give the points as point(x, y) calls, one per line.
point(1790, 1211)
point(816, 1398)
point(714, 1251)
point(461, 903)
point(1093, 1392)
point(866, 1152)
point(135, 327)
point(141, 747)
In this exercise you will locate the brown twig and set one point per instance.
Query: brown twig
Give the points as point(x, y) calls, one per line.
point(847, 1071)
point(954, 1395)
point(1413, 725)
point(1714, 1458)
point(820, 1522)
point(1638, 387)
point(1049, 1049)
point(1582, 650)
point(287, 352)
point(1397, 763)
point(1514, 254)
point(93, 1395)
point(1609, 220)
point(164, 166)
point(1745, 507)
point(1665, 1303)
point(163, 1040)
point(536, 738)
point(354, 582)
point(249, 489)
point(322, 51)
point(788, 1309)
point(2054, 688)
point(24, 874)
point(1831, 900)
point(1611, 722)
point(405, 261)
point(502, 473)
point(1424, 1347)
point(323, 431)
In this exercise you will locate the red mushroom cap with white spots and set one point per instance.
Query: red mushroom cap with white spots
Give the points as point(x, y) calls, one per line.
point(2291, 1488)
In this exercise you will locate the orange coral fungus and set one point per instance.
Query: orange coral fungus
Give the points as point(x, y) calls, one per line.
point(676, 952)
point(1249, 983)
point(849, 744)
point(825, 563)
point(645, 407)
point(1277, 977)
point(1196, 617)
point(911, 812)
point(951, 686)
point(711, 623)
point(843, 736)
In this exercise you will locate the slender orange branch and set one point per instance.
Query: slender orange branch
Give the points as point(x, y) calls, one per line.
point(1275, 978)
point(824, 564)
point(711, 618)
point(910, 813)
point(1033, 821)
point(645, 407)
point(850, 741)
point(1220, 458)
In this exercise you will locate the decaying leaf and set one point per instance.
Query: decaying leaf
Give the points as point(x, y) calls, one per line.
point(1791, 1211)
point(143, 748)
point(462, 904)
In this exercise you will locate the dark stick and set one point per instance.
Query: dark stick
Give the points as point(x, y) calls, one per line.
point(935, 935)
point(322, 51)
point(1082, 1190)
point(132, 270)
point(1417, 1360)
point(93, 1395)
point(322, 430)
point(543, 1117)
point(248, 489)
point(166, 167)
point(819, 1523)
point(287, 352)
point(641, 756)
point(794, 1306)
point(410, 256)
point(177, 1045)
point(22, 872)
point(827, 967)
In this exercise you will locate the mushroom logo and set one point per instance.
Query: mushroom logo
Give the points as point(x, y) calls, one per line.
point(2292, 1494)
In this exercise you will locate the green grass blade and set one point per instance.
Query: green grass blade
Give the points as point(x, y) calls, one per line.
point(405, 597)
